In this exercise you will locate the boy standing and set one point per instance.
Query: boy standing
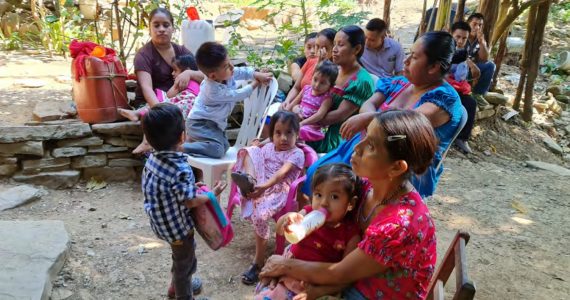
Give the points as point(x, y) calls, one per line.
point(170, 192)
point(218, 95)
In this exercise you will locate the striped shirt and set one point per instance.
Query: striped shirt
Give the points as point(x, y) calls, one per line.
point(167, 183)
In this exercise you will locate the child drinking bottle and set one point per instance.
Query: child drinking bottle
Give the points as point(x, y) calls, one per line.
point(294, 233)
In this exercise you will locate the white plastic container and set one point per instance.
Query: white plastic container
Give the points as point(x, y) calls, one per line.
point(311, 222)
point(88, 9)
point(564, 61)
point(194, 33)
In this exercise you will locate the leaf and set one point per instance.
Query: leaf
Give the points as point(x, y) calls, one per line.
point(519, 207)
point(95, 184)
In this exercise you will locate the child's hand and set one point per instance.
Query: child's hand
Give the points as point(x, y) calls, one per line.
point(219, 187)
point(286, 220)
point(264, 78)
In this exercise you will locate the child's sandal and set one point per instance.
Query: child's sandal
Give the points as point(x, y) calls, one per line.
point(244, 181)
point(251, 276)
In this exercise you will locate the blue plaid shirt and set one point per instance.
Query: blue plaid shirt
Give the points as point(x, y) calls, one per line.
point(167, 182)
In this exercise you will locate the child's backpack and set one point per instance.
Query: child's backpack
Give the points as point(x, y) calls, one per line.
point(212, 223)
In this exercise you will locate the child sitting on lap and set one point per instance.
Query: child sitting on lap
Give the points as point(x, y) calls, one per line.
point(335, 188)
point(170, 192)
point(218, 95)
point(315, 101)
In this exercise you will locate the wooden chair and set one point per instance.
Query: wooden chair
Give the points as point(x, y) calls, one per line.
point(455, 258)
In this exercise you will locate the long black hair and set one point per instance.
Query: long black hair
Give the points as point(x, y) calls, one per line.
point(439, 47)
point(355, 37)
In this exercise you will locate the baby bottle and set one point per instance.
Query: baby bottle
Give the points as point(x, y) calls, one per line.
point(311, 222)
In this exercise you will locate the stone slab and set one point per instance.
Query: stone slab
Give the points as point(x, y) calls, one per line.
point(54, 180)
point(8, 160)
point(128, 128)
point(44, 164)
point(496, 98)
point(106, 149)
point(120, 155)
point(110, 173)
point(89, 161)
point(31, 255)
point(484, 114)
point(84, 142)
point(68, 152)
point(549, 167)
point(8, 169)
point(132, 143)
point(26, 148)
point(115, 141)
point(19, 195)
point(552, 145)
point(11, 134)
point(125, 162)
point(53, 110)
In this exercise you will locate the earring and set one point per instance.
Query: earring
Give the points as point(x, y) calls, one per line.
point(349, 208)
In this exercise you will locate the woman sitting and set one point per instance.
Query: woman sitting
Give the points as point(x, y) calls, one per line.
point(397, 255)
point(422, 88)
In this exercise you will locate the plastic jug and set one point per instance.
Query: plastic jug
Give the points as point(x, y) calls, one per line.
point(294, 233)
point(194, 33)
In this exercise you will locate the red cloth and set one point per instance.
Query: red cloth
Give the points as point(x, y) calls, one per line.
point(402, 238)
point(462, 87)
point(80, 50)
point(325, 244)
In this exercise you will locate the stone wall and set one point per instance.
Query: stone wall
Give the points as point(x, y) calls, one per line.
point(57, 154)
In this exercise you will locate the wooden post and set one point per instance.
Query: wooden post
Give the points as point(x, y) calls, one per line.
point(501, 52)
point(534, 58)
point(460, 13)
point(490, 10)
point(386, 17)
point(524, 60)
point(443, 13)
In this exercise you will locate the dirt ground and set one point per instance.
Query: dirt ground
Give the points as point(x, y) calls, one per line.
point(516, 216)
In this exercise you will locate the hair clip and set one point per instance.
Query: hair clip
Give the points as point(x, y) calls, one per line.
point(397, 137)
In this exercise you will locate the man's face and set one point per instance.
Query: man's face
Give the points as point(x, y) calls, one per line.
point(460, 37)
point(375, 39)
point(476, 26)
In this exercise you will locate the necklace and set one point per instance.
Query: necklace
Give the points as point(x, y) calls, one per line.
point(384, 201)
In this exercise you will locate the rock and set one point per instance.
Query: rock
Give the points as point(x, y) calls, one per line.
point(254, 24)
point(53, 110)
point(110, 174)
point(31, 255)
point(120, 155)
point(562, 105)
point(496, 98)
point(90, 141)
point(106, 149)
point(29, 148)
point(540, 106)
point(125, 162)
point(61, 294)
point(89, 161)
point(19, 195)
point(8, 169)
point(11, 134)
point(563, 98)
point(555, 90)
point(132, 143)
point(284, 82)
point(63, 79)
point(549, 167)
point(68, 152)
point(8, 160)
point(484, 114)
point(30, 83)
point(45, 164)
point(118, 128)
point(54, 180)
point(552, 145)
point(115, 141)
point(4, 7)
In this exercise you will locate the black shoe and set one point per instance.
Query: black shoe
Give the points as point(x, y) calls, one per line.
point(463, 146)
point(251, 276)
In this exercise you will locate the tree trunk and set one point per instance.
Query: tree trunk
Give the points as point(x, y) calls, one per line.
point(387, 5)
point(501, 52)
point(460, 13)
point(534, 59)
point(443, 13)
point(526, 52)
point(511, 16)
point(490, 10)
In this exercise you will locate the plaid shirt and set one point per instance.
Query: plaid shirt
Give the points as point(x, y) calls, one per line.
point(167, 182)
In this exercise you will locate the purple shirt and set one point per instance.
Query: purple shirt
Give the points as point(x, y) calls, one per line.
point(385, 62)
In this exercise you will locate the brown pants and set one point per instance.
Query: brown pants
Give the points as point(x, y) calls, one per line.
point(183, 265)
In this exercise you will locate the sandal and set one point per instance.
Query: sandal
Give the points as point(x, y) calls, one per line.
point(251, 276)
point(244, 181)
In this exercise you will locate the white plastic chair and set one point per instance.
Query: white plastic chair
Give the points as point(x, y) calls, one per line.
point(255, 110)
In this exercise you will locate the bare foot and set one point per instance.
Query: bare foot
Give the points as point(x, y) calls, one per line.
point(143, 147)
point(129, 114)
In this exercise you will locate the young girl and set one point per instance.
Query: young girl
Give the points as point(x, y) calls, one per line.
point(183, 99)
point(314, 102)
point(268, 172)
point(335, 188)
point(309, 51)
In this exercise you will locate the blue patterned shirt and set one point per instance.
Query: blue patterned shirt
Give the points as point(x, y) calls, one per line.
point(167, 183)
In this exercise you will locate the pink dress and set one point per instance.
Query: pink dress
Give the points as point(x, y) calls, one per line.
point(310, 104)
point(266, 162)
point(184, 100)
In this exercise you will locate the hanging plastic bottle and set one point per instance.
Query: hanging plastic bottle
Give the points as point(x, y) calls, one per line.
point(314, 220)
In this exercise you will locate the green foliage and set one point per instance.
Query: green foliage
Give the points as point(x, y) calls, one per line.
point(11, 42)
point(561, 12)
